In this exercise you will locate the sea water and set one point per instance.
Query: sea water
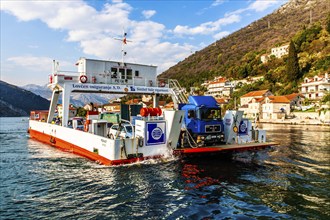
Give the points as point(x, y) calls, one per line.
point(291, 180)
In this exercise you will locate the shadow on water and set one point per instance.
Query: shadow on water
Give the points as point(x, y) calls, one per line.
point(289, 181)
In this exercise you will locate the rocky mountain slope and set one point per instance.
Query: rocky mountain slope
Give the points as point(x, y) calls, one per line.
point(15, 101)
point(238, 55)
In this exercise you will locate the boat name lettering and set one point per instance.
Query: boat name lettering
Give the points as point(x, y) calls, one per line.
point(103, 141)
point(97, 87)
point(80, 86)
point(120, 88)
point(105, 87)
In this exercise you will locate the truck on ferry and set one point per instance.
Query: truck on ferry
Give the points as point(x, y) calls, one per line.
point(156, 133)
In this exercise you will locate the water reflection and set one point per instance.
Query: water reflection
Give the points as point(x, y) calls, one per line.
point(289, 181)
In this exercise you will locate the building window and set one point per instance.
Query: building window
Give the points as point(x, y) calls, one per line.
point(137, 73)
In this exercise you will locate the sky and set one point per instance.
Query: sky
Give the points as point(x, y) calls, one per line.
point(159, 32)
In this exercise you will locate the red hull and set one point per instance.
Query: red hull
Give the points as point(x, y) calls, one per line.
point(69, 147)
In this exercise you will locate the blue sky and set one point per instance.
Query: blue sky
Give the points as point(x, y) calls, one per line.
point(162, 33)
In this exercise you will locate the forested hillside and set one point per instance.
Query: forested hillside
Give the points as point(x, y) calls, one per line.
point(305, 22)
point(15, 101)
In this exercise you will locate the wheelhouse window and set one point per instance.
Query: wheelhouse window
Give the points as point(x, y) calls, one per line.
point(114, 73)
point(129, 73)
point(122, 73)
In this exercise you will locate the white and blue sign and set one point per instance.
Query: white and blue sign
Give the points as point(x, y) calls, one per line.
point(155, 133)
point(243, 127)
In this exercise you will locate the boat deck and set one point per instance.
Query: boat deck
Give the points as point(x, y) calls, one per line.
point(224, 148)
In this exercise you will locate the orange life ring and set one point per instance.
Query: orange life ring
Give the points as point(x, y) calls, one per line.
point(83, 78)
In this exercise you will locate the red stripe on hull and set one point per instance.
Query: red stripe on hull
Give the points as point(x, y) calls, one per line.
point(224, 148)
point(69, 147)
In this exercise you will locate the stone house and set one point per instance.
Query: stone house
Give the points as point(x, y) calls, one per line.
point(296, 100)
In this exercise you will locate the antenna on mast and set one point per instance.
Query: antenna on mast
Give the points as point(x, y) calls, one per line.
point(123, 42)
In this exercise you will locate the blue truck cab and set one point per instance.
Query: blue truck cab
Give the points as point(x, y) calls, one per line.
point(203, 120)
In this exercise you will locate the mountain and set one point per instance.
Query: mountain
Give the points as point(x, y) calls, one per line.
point(15, 101)
point(238, 55)
point(77, 99)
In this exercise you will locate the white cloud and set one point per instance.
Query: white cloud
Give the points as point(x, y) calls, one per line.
point(214, 4)
point(217, 2)
point(34, 63)
point(221, 34)
point(262, 5)
point(257, 6)
point(208, 27)
point(95, 31)
point(148, 13)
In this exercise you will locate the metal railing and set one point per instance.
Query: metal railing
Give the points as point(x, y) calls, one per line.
point(178, 93)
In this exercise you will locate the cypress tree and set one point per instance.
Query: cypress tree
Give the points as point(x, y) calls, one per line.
point(292, 66)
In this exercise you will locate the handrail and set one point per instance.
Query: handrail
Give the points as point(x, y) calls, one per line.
point(177, 91)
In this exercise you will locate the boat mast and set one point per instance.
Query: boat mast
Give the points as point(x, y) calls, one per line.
point(123, 42)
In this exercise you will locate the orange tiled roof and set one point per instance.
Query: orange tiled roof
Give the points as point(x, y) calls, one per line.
point(255, 93)
point(278, 99)
point(221, 80)
point(169, 105)
point(257, 100)
point(293, 96)
point(133, 101)
point(221, 101)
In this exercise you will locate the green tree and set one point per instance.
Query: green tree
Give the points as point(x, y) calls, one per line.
point(292, 66)
point(326, 98)
point(81, 112)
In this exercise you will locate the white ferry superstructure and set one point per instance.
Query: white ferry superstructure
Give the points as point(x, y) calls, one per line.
point(155, 135)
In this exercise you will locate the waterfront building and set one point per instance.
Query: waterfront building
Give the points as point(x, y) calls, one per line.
point(275, 107)
point(315, 88)
point(251, 103)
point(245, 99)
point(296, 100)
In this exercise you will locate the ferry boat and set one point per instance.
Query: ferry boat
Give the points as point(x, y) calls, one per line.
point(156, 133)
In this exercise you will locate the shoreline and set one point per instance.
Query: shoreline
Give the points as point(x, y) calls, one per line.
point(294, 122)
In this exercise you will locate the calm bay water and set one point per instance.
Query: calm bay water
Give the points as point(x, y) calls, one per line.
point(289, 181)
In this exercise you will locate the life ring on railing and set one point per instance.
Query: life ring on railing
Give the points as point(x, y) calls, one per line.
point(83, 78)
point(162, 84)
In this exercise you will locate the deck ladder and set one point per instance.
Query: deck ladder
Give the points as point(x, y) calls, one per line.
point(178, 93)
